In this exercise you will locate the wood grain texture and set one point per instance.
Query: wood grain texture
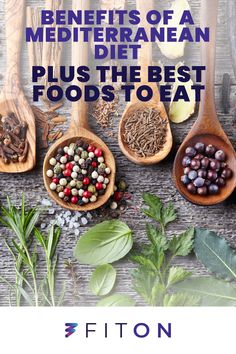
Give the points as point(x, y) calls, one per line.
point(156, 179)
point(12, 98)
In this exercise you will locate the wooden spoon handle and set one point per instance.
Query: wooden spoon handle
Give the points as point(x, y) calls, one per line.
point(80, 58)
point(209, 11)
point(14, 19)
point(145, 53)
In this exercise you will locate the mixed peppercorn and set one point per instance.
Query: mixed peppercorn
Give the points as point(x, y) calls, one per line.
point(205, 169)
point(79, 174)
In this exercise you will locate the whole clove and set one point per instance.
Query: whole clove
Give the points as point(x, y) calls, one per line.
point(145, 132)
point(13, 139)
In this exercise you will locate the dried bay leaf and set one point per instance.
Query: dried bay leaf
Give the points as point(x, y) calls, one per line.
point(215, 254)
point(213, 292)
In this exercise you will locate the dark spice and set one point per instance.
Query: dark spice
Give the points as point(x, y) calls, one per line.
point(145, 132)
point(13, 141)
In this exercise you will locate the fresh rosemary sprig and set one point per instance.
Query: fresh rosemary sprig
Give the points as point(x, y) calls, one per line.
point(25, 255)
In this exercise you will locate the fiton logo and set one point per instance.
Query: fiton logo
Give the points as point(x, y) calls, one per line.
point(70, 329)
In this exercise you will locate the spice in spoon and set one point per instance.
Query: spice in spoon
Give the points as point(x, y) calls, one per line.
point(145, 132)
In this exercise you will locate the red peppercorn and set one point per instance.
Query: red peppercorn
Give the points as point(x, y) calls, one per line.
point(74, 200)
point(118, 196)
point(69, 166)
point(55, 180)
point(86, 181)
point(67, 173)
point(98, 152)
point(94, 164)
point(66, 155)
point(91, 148)
point(99, 186)
point(87, 194)
point(67, 192)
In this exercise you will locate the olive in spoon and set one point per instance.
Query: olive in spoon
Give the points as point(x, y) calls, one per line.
point(145, 60)
point(207, 128)
point(79, 129)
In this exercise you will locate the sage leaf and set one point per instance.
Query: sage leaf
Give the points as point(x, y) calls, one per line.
point(213, 292)
point(177, 274)
point(104, 243)
point(215, 253)
point(182, 245)
point(103, 280)
point(181, 299)
point(117, 300)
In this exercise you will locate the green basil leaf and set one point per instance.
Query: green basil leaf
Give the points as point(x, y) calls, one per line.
point(181, 299)
point(117, 300)
point(102, 280)
point(213, 292)
point(215, 253)
point(104, 243)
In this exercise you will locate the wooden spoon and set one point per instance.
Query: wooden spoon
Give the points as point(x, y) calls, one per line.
point(12, 98)
point(207, 128)
point(79, 128)
point(145, 60)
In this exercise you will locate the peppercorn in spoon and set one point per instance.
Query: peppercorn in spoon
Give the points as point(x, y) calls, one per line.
point(151, 141)
point(217, 168)
point(79, 169)
point(17, 124)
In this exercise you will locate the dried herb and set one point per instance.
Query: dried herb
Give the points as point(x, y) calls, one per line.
point(14, 145)
point(102, 111)
point(145, 132)
point(70, 266)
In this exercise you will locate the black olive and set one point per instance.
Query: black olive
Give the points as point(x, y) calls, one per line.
point(191, 188)
point(185, 180)
point(190, 151)
point(213, 189)
point(202, 190)
point(195, 164)
point(220, 155)
point(200, 147)
point(210, 150)
point(186, 161)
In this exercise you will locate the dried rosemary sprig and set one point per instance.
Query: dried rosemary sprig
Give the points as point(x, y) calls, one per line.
point(145, 132)
point(70, 266)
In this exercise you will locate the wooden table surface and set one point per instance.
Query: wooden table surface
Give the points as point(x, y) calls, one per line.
point(156, 179)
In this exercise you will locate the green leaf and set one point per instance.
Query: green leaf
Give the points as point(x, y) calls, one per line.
point(213, 292)
point(104, 243)
point(182, 245)
point(103, 280)
point(177, 274)
point(168, 214)
point(155, 206)
point(143, 261)
point(181, 299)
point(215, 253)
point(156, 237)
point(117, 300)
